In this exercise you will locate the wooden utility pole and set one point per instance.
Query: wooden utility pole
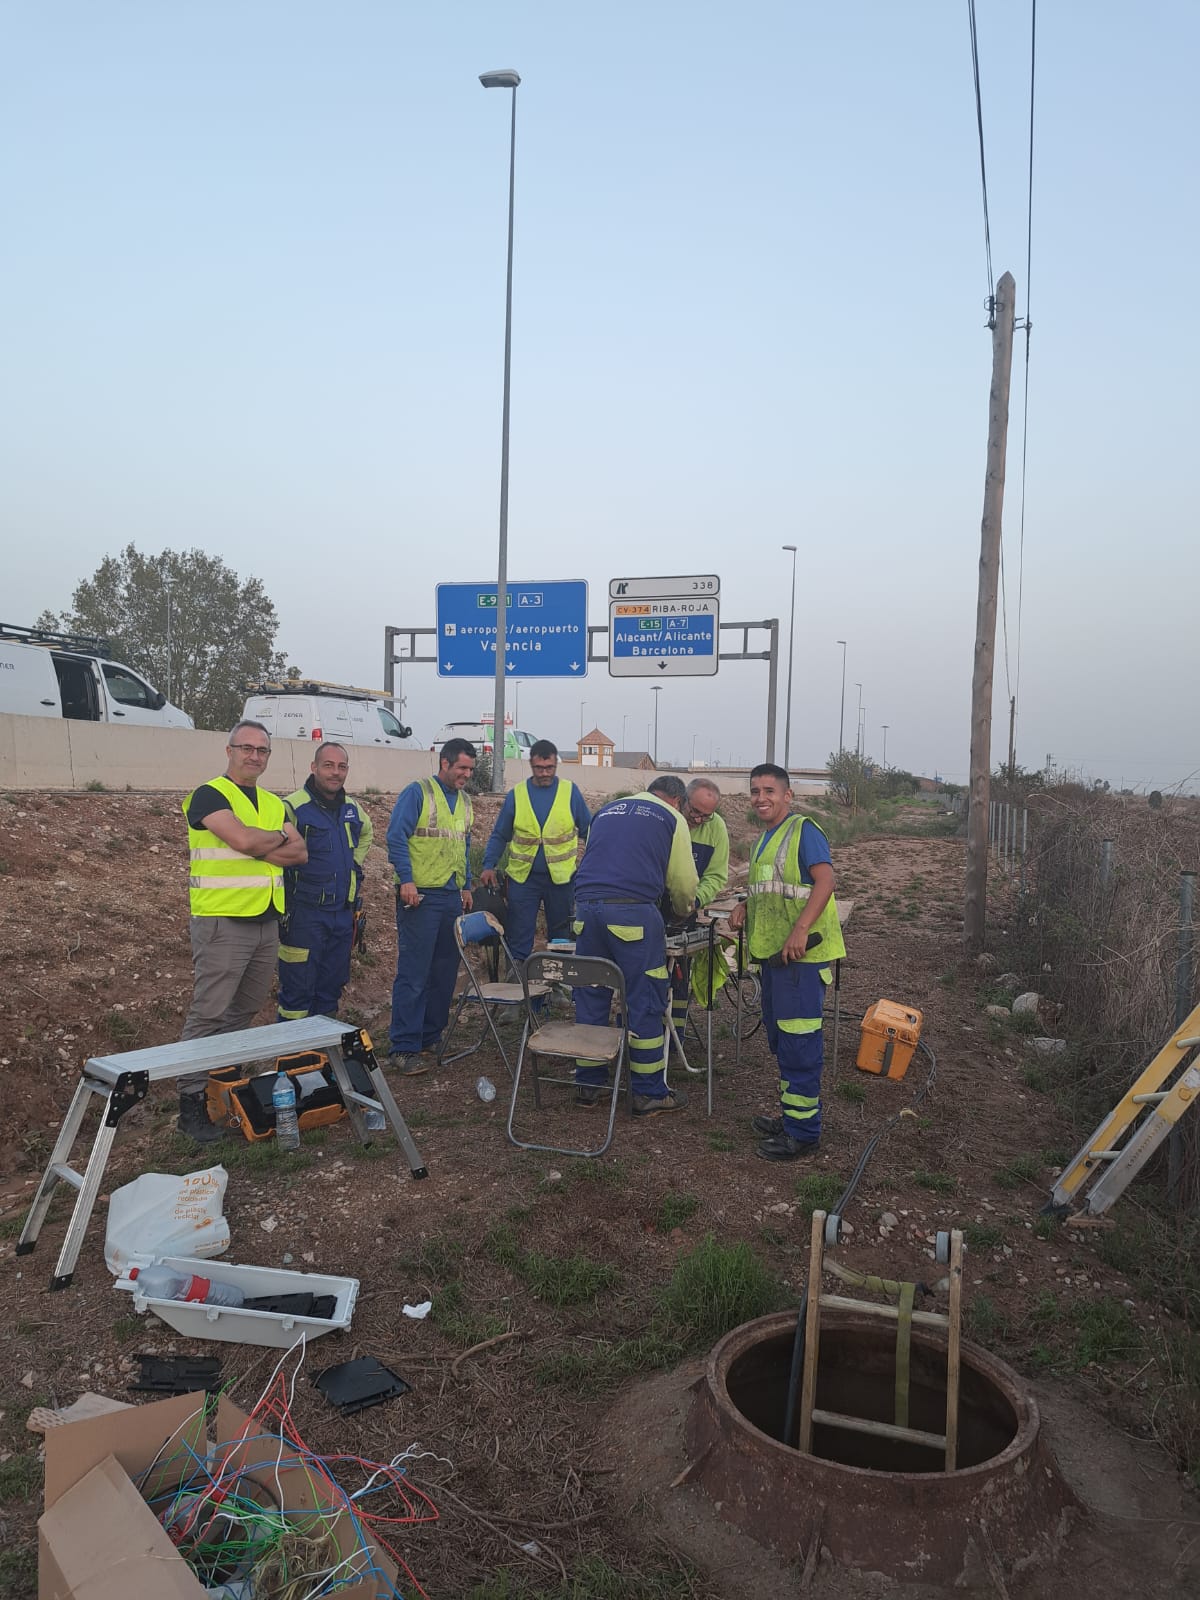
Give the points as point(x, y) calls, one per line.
point(975, 910)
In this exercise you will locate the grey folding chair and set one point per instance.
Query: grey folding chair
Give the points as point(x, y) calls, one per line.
point(479, 931)
point(550, 1040)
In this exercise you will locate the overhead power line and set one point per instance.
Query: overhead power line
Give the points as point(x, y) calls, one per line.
point(987, 227)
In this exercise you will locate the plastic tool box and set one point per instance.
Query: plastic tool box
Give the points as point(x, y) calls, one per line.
point(238, 1324)
point(890, 1033)
point(240, 1099)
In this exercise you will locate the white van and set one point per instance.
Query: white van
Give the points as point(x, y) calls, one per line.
point(45, 674)
point(517, 743)
point(316, 711)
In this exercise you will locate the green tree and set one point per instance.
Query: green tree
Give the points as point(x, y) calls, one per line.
point(222, 627)
point(852, 778)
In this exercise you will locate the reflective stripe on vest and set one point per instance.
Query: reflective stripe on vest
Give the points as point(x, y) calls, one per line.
point(776, 896)
point(437, 848)
point(224, 882)
point(558, 836)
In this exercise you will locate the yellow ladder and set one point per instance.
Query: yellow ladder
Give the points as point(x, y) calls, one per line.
point(1143, 1118)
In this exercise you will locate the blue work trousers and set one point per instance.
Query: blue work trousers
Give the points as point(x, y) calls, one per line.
point(793, 998)
point(539, 889)
point(426, 969)
point(633, 937)
point(314, 960)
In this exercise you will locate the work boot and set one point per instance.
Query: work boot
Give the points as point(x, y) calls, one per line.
point(767, 1126)
point(194, 1119)
point(592, 1094)
point(406, 1066)
point(650, 1105)
point(784, 1148)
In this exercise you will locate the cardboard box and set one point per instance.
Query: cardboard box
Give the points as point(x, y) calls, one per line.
point(98, 1539)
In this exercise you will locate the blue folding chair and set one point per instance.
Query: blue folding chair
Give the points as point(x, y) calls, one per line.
point(544, 1038)
point(479, 934)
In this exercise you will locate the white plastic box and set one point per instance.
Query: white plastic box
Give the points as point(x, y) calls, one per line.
point(236, 1324)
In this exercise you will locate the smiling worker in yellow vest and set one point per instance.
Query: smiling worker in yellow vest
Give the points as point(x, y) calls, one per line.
point(536, 841)
point(795, 935)
point(240, 840)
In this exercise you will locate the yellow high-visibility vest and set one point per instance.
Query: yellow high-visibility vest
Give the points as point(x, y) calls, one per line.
point(438, 846)
point(223, 881)
point(777, 893)
point(558, 837)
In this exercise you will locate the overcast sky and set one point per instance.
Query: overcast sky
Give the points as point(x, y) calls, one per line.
point(253, 289)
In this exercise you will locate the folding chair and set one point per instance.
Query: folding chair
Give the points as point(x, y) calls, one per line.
point(480, 931)
point(572, 1041)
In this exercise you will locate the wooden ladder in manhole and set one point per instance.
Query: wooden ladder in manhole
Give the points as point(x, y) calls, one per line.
point(826, 1232)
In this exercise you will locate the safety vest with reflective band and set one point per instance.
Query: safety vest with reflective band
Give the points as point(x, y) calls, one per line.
point(223, 881)
point(558, 836)
point(438, 846)
point(777, 895)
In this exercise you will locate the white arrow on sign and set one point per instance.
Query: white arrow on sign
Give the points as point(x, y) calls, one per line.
point(447, 666)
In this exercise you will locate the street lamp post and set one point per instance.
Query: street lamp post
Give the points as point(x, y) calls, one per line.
point(505, 78)
point(884, 726)
point(517, 682)
point(624, 720)
point(842, 716)
point(582, 703)
point(787, 716)
point(693, 760)
point(167, 587)
point(858, 724)
point(656, 690)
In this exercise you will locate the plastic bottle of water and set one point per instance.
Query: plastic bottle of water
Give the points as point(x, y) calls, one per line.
point(161, 1283)
point(283, 1098)
point(485, 1089)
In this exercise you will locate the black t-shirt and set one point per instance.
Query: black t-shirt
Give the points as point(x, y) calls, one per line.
point(207, 799)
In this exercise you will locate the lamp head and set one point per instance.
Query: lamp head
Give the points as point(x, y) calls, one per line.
point(790, 547)
point(501, 78)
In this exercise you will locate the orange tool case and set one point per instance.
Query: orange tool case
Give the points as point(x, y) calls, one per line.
point(889, 1036)
point(240, 1099)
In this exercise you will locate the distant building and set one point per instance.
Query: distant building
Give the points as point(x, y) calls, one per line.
point(639, 760)
point(596, 749)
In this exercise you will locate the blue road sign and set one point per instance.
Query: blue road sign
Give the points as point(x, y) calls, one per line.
point(545, 634)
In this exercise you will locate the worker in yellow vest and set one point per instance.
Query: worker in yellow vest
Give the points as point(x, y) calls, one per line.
point(536, 843)
point(240, 840)
point(795, 936)
point(429, 846)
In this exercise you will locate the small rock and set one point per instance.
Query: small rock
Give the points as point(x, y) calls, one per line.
point(780, 1208)
point(288, 1258)
point(1026, 1004)
point(27, 1381)
point(889, 1220)
point(307, 1255)
point(269, 1224)
point(997, 1011)
point(552, 1176)
point(1009, 981)
point(1048, 1047)
point(986, 961)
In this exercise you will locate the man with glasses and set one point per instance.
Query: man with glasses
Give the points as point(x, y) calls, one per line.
point(536, 841)
point(710, 852)
point(240, 841)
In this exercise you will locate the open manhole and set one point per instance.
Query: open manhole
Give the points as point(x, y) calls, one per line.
point(876, 1504)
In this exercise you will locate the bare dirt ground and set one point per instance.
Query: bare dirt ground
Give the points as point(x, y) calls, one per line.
point(94, 953)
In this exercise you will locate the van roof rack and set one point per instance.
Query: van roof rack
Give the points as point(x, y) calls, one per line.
point(48, 639)
point(314, 686)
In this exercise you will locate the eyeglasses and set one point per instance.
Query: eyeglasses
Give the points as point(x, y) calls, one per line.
point(693, 814)
point(263, 750)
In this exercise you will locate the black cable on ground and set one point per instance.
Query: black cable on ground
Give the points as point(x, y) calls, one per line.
point(789, 1423)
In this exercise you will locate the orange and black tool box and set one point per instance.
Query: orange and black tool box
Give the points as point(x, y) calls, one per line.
point(239, 1099)
point(889, 1036)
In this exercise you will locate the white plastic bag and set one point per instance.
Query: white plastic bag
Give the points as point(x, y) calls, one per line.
point(161, 1215)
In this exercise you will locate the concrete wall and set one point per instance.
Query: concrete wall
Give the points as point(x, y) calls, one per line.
point(52, 753)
